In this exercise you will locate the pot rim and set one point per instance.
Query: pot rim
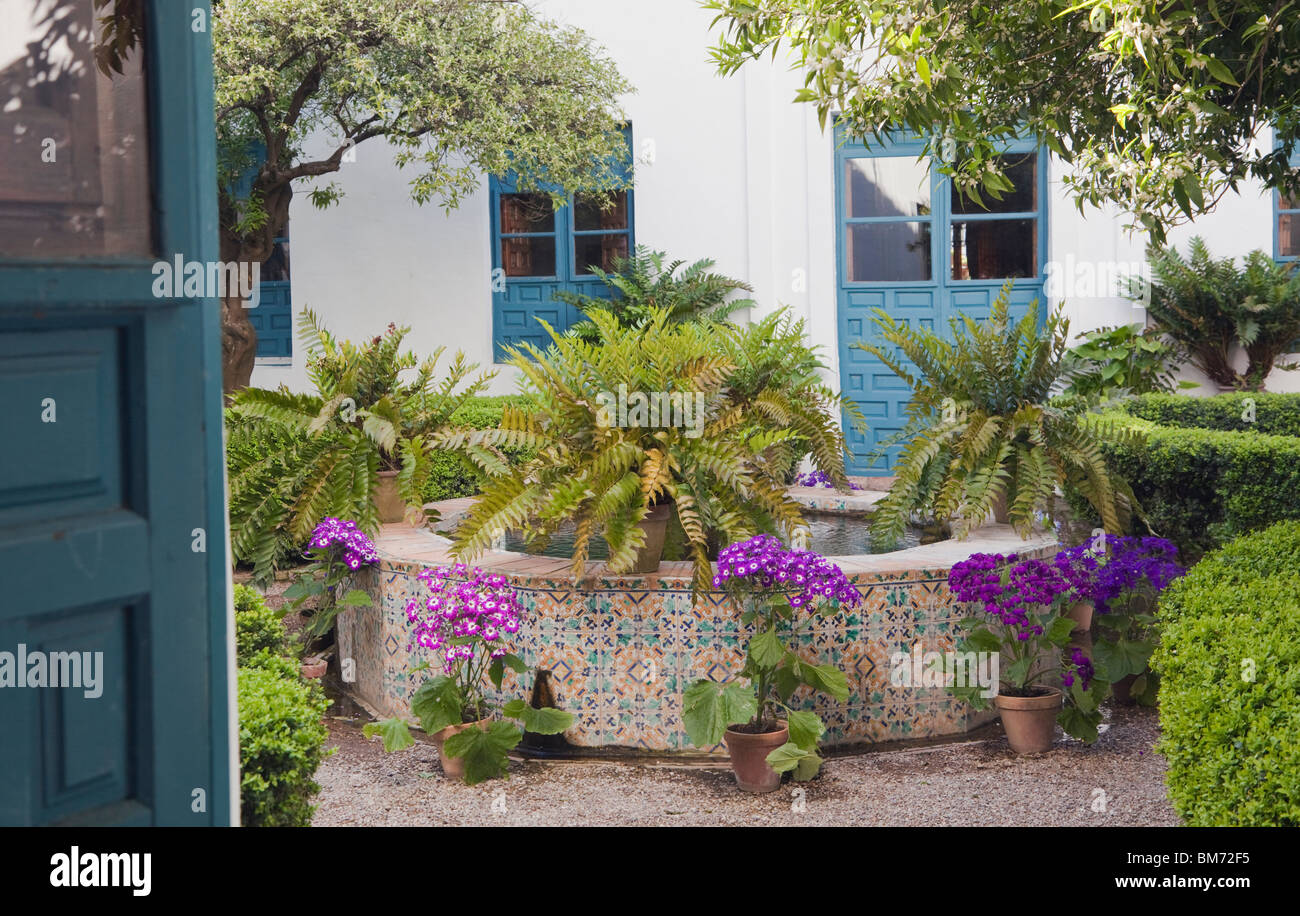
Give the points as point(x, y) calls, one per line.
point(1049, 700)
point(784, 731)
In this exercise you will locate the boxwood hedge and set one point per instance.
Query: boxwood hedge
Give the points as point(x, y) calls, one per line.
point(281, 744)
point(1202, 486)
point(1229, 659)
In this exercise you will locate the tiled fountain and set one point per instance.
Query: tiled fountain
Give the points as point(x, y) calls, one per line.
point(621, 649)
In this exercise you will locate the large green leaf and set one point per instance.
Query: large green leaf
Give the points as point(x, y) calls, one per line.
point(355, 598)
point(437, 703)
point(393, 732)
point(709, 707)
point(497, 670)
point(766, 650)
point(827, 679)
point(1123, 657)
point(484, 750)
point(545, 721)
point(805, 763)
point(806, 728)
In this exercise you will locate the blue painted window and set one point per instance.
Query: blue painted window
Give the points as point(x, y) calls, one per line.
point(539, 250)
point(1286, 222)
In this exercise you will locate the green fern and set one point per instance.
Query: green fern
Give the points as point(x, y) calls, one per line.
point(363, 418)
point(984, 430)
point(718, 473)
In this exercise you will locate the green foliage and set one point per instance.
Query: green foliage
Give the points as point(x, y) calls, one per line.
point(457, 699)
point(363, 418)
point(281, 744)
point(1230, 696)
point(1157, 107)
point(1127, 359)
point(642, 283)
point(453, 475)
point(1209, 307)
point(459, 88)
point(1200, 487)
point(712, 461)
point(257, 627)
point(983, 426)
point(1262, 412)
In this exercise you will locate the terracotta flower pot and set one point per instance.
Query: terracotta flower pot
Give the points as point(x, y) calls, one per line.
point(1030, 722)
point(1081, 636)
point(1122, 690)
point(314, 667)
point(388, 503)
point(655, 526)
point(453, 767)
point(749, 757)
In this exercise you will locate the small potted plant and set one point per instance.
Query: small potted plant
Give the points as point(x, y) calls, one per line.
point(764, 735)
point(1041, 680)
point(338, 550)
point(465, 622)
point(1120, 578)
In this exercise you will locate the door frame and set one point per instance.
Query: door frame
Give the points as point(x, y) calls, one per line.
point(172, 350)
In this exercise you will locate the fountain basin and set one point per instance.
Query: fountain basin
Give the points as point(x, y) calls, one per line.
point(621, 649)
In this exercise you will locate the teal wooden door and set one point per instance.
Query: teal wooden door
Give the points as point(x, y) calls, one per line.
point(114, 663)
point(911, 246)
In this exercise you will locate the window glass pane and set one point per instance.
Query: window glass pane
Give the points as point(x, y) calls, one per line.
point(1021, 171)
point(600, 211)
point(887, 186)
point(1288, 203)
point(889, 251)
point(74, 151)
point(1288, 235)
point(994, 249)
point(527, 213)
point(598, 251)
point(529, 256)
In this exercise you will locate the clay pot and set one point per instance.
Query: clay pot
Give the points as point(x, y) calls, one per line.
point(1030, 722)
point(749, 757)
point(1122, 690)
point(388, 503)
point(1081, 636)
point(655, 526)
point(314, 667)
point(453, 767)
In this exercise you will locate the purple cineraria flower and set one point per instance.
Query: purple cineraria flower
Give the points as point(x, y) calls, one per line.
point(764, 564)
point(343, 538)
point(463, 603)
point(1079, 664)
point(1127, 566)
point(1008, 588)
point(820, 479)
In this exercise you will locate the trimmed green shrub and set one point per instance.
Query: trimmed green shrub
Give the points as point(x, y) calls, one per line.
point(1229, 659)
point(281, 744)
point(1273, 414)
point(257, 627)
point(1201, 487)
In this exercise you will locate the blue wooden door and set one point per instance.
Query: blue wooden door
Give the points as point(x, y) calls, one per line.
point(114, 628)
point(907, 244)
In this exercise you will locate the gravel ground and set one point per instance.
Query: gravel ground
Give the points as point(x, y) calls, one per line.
point(968, 784)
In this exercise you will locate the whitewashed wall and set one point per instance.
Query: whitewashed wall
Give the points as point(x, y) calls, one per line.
point(738, 173)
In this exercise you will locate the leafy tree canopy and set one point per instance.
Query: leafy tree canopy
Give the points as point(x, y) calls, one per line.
point(1155, 103)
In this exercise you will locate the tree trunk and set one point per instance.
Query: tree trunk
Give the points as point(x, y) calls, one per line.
point(238, 344)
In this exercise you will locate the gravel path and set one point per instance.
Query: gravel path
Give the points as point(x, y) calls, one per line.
point(969, 784)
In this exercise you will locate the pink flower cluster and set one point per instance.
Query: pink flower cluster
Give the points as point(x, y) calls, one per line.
point(357, 549)
point(467, 609)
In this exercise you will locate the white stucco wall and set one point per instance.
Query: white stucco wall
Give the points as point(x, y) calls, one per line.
point(738, 173)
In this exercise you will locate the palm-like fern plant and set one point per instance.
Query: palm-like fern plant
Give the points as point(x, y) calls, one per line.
point(605, 477)
point(643, 282)
point(362, 419)
point(985, 432)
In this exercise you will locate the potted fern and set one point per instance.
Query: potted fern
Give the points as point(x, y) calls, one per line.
point(606, 467)
point(986, 438)
point(359, 447)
